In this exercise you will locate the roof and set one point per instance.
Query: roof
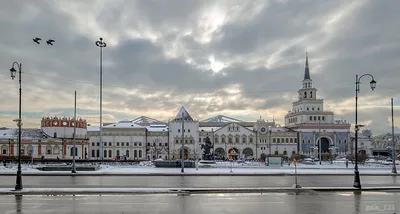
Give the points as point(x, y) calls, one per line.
point(157, 128)
point(26, 133)
point(183, 115)
point(307, 69)
point(123, 124)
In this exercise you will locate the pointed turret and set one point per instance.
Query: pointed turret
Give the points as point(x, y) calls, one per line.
point(183, 114)
point(307, 69)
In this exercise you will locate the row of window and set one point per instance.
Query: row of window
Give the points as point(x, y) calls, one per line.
point(159, 144)
point(49, 151)
point(117, 144)
point(109, 153)
point(230, 140)
point(339, 141)
point(184, 130)
point(317, 118)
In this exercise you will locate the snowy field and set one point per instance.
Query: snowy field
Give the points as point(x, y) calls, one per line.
point(251, 168)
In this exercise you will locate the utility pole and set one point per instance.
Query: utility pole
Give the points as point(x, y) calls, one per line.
point(319, 143)
point(74, 148)
point(394, 170)
point(183, 145)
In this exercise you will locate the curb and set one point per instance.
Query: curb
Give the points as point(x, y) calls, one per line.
point(190, 174)
point(184, 191)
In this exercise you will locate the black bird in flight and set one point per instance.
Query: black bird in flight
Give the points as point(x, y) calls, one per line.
point(37, 40)
point(50, 42)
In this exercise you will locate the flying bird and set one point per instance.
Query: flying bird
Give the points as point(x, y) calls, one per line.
point(37, 40)
point(50, 42)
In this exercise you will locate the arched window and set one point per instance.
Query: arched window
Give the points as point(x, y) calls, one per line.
point(110, 153)
point(98, 153)
point(305, 94)
point(56, 150)
point(73, 151)
point(278, 140)
point(105, 153)
point(127, 153)
point(310, 94)
point(117, 152)
point(93, 153)
point(135, 153)
point(140, 153)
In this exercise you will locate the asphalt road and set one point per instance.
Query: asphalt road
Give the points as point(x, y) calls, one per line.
point(310, 203)
point(193, 181)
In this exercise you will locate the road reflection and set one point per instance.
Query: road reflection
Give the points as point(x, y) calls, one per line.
point(300, 203)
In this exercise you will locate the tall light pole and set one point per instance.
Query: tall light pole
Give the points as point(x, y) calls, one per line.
point(319, 143)
point(357, 181)
point(18, 185)
point(183, 145)
point(74, 147)
point(269, 140)
point(101, 45)
point(394, 170)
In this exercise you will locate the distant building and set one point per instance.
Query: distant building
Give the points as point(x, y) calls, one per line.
point(315, 124)
point(53, 140)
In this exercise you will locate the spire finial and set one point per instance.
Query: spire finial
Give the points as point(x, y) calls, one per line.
point(307, 69)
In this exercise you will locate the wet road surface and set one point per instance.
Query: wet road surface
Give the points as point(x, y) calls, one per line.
point(305, 203)
point(193, 181)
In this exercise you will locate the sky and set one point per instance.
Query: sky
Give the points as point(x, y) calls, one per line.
point(238, 58)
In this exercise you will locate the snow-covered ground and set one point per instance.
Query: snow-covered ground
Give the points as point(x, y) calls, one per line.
point(251, 168)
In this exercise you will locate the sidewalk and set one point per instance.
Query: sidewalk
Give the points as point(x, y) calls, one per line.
point(148, 171)
point(97, 191)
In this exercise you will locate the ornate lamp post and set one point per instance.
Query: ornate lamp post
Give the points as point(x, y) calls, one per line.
point(18, 185)
point(101, 45)
point(357, 181)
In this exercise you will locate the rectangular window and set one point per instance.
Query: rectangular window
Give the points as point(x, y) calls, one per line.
point(244, 140)
point(251, 140)
point(199, 139)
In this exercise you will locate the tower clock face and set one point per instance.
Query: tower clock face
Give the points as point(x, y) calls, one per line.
point(263, 130)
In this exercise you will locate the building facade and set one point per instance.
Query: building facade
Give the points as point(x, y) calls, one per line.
point(54, 140)
point(316, 126)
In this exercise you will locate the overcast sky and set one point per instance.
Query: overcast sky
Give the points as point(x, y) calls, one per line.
point(238, 58)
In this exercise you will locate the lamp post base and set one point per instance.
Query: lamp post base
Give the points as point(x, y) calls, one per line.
point(394, 170)
point(357, 182)
point(18, 185)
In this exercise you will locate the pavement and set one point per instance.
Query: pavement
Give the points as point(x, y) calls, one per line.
point(186, 191)
point(151, 171)
point(234, 203)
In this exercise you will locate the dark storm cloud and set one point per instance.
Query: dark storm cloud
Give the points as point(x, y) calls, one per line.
point(151, 42)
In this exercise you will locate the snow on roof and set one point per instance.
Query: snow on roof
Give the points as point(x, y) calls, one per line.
point(124, 125)
point(7, 133)
point(26, 133)
point(209, 129)
point(157, 128)
point(93, 128)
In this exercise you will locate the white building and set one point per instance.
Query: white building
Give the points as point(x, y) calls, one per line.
point(315, 124)
point(53, 140)
point(155, 139)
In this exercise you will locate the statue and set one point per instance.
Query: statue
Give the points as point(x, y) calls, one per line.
point(206, 147)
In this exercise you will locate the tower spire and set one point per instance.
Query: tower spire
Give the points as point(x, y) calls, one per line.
point(307, 69)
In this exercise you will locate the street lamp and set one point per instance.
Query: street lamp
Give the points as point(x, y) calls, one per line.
point(357, 181)
point(101, 45)
point(18, 185)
